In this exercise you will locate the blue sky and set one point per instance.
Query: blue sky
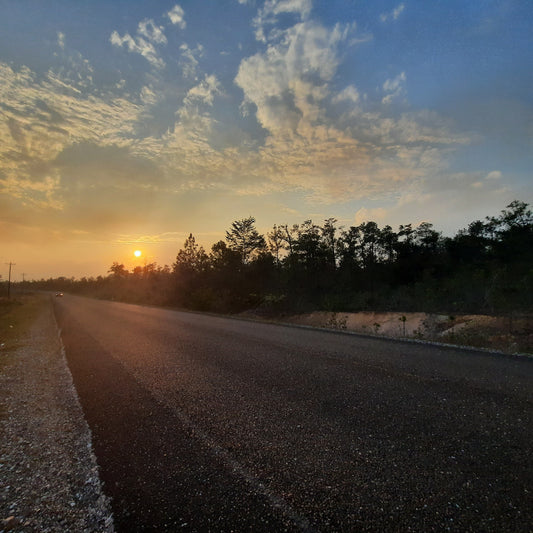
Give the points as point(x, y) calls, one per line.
point(130, 124)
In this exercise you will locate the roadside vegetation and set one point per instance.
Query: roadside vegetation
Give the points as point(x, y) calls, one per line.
point(486, 268)
point(16, 316)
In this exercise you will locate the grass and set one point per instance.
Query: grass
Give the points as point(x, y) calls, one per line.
point(16, 317)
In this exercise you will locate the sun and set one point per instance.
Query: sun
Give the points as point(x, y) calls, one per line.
point(137, 253)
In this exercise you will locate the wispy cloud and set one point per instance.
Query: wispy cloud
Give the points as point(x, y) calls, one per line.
point(290, 87)
point(148, 35)
point(61, 39)
point(149, 30)
point(189, 60)
point(392, 15)
point(90, 157)
point(349, 94)
point(394, 87)
point(204, 92)
point(267, 16)
point(139, 46)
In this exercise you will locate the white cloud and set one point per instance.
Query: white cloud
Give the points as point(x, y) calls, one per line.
point(288, 86)
point(267, 15)
point(204, 92)
point(349, 94)
point(177, 16)
point(148, 29)
point(43, 118)
point(288, 81)
point(392, 15)
point(494, 175)
point(61, 39)
point(395, 88)
point(139, 46)
point(148, 35)
point(189, 60)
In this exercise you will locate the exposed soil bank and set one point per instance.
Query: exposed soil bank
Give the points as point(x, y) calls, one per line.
point(510, 334)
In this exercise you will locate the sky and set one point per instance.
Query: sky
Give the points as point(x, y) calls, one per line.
point(126, 125)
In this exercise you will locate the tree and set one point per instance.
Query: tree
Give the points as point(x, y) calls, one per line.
point(118, 270)
point(329, 240)
point(275, 242)
point(189, 272)
point(191, 258)
point(388, 241)
point(244, 238)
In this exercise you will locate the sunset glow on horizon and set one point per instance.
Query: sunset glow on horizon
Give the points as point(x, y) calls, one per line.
point(128, 125)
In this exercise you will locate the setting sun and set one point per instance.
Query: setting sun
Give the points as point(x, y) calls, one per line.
point(137, 253)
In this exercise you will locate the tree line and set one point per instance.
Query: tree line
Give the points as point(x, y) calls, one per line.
point(484, 268)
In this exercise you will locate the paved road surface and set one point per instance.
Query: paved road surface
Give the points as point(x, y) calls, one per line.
point(211, 424)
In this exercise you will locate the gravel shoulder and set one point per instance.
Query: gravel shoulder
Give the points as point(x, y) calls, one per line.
point(49, 474)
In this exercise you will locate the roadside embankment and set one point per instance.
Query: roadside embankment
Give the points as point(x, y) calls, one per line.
point(509, 334)
point(49, 474)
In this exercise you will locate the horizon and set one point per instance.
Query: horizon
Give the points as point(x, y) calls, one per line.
point(129, 125)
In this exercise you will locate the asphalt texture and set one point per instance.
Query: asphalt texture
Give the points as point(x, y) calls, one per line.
point(205, 423)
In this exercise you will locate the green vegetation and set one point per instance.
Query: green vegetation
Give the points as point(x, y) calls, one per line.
point(484, 268)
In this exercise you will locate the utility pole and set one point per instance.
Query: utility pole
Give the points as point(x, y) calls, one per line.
point(24, 283)
point(9, 280)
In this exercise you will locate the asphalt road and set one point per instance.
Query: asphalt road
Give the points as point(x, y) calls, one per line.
point(211, 424)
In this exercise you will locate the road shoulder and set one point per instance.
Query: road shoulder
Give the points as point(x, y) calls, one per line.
point(49, 474)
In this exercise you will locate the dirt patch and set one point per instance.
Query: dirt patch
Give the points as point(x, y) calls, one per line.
point(511, 334)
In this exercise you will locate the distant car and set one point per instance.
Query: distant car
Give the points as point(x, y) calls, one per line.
point(59, 295)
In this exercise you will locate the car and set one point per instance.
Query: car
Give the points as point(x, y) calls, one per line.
point(59, 295)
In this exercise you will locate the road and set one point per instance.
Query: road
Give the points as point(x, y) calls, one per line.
point(205, 423)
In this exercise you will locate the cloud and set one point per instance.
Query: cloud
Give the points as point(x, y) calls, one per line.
point(395, 88)
point(165, 237)
point(349, 94)
point(188, 60)
point(204, 92)
point(494, 175)
point(148, 35)
point(392, 15)
point(177, 16)
point(99, 159)
point(333, 159)
point(377, 214)
point(43, 118)
point(288, 81)
point(153, 33)
point(268, 14)
point(456, 199)
point(61, 39)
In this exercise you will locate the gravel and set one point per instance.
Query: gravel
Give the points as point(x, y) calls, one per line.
point(50, 479)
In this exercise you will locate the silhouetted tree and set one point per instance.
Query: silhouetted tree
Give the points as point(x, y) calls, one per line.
point(191, 259)
point(118, 270)
point(276, 243)
point(244, 238)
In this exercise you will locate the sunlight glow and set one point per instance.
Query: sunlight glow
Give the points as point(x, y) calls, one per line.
point(137, 253)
